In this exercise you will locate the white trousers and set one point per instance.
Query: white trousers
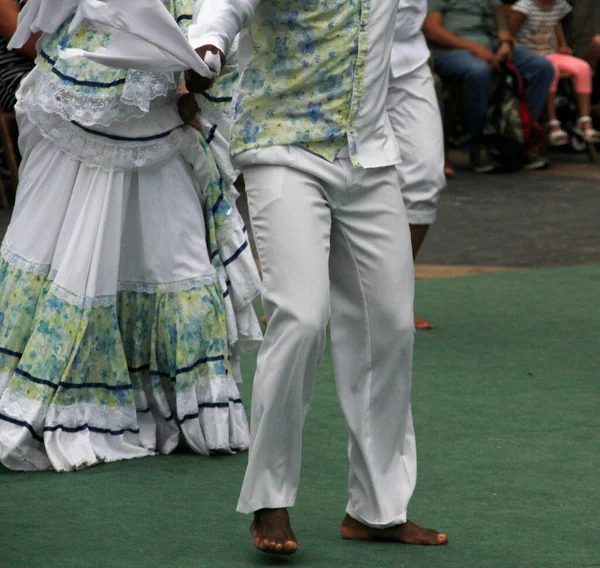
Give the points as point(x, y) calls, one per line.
point(332, 240)
point(415, 116)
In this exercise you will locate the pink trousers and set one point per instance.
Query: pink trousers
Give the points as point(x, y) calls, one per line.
point(580, 71)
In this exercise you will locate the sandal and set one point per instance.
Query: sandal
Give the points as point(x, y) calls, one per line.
point(556, 137)
point(590, 136)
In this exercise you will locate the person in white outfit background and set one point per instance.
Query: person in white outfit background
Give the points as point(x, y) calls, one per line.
point(415, 116)
point(312, 137)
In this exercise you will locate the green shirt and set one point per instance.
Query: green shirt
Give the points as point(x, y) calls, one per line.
point(470, 19)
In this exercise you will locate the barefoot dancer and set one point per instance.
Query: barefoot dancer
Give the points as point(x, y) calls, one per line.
point(415, 116)
point(312, 138)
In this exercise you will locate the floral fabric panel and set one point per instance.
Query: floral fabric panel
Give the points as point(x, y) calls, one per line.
point(56, 354)
point(298, 86)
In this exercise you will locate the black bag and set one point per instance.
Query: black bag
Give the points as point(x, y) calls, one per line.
point(510, 130)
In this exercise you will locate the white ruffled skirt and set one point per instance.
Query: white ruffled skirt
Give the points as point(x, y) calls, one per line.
point(125, 291)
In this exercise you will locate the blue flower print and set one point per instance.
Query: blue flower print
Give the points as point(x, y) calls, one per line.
point(254, 78)
point(333, 133)
point(290, 19)
point(315, 112)
point(249, 132)
point(307, 44)
point(281, 47)
point(303, 137)
point(331, 84)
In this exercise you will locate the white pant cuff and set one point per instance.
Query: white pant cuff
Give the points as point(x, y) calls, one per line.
point(250, 507)
point(418, 218)
point(399, 520)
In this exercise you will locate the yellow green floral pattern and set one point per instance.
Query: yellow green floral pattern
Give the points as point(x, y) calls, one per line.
point(298, 86)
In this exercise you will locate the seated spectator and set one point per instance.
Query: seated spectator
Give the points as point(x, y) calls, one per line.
point(536, 24)
point(14, 65)
point(469, 39)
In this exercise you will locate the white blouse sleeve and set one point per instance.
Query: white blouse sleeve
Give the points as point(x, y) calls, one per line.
point(217, 22)
point(523, 6)
point(565, 8)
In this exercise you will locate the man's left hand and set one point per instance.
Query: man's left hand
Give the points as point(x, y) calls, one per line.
point(565, 50)
point(505, 52)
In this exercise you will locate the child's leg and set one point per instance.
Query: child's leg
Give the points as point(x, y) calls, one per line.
point(581, 75)
point(551, 100)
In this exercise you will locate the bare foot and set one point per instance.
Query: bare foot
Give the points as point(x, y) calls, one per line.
point(449, 170)
point(263, 320)
point(408, 533)
point(421, 323)
point(272, 532)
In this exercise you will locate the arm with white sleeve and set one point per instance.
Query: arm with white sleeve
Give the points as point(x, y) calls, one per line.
point(217, 23)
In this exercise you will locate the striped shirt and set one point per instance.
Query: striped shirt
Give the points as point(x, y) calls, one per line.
point(537, 32)
point(13, 67)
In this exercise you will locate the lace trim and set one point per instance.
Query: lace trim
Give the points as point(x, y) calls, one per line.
point(141, 91)
point(21, 263)
point(166, 287)
point(81, 301)
point(95, 151)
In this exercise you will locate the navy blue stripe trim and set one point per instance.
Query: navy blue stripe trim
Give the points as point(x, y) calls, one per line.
point(244, 229)
point(47, 58)
point(216, 99)
point(78, 81)
point(124, 138)
point(215, 207)
point(35, 379)
point(236, 254)
point(184, 17)
point(209, 405)
point(94, 429)
point(198, 363)
point(214, 254)
point(113, 388)
point(219, 200)
point(226, 293)
point(178, 371)
point(211, 134)
point(147, 410)
point(11, 353)
point(29, 427)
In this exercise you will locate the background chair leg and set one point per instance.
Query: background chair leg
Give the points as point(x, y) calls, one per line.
point(591, 150)
point(3, 196)
point(7, 145)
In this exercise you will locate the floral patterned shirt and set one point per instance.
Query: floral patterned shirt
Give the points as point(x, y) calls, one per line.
point(292, 92)
point(316, 76)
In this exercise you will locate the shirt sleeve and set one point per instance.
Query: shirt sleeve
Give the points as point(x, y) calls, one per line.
point(565, 8)
point(523, 6)
point(436, 6)
point(217, 22)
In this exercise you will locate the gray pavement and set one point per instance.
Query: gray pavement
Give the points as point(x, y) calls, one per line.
point(525, 219)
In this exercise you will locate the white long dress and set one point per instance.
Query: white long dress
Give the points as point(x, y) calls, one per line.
point(126, 278)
